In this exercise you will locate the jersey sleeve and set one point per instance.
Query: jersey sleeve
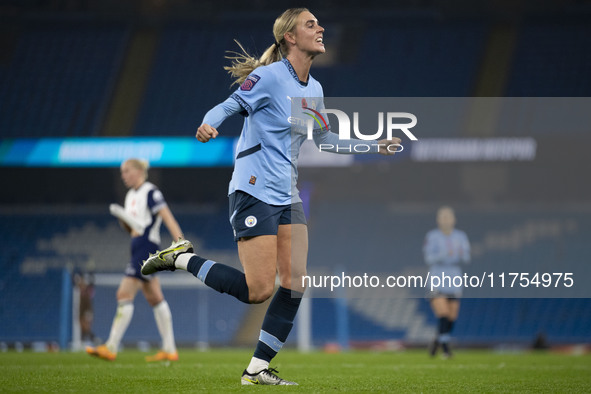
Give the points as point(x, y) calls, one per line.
point(431, 249)
point(215, 116)
point(255, 92)
point(465, 252)
point(155, 201)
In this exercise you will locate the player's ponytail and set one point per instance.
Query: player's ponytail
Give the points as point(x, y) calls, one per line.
point(243, 63)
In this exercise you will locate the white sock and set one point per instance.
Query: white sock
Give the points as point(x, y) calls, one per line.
point(256, 365)
point(164, 322)
point(182, 260)
point(120, 324)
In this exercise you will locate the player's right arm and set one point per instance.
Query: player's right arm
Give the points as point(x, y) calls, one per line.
point(129, 223)
point(253, 94)
point(214, 117)
point(205, 132)
point(465, 249)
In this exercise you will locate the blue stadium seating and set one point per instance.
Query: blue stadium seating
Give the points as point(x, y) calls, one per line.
point(60, 80)
point(187, 77)
point(551, 60)
point(416, 59)
point(224, 316)
point(38, 246)
point(54, 241)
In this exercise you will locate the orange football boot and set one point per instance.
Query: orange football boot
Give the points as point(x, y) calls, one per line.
point(163, 356)
point(101, 352)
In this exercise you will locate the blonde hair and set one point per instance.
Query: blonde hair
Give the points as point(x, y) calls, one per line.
point(243, 63)
point(140, 164)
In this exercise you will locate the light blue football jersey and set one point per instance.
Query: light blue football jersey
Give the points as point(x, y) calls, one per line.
point(267, 150)
point(444, 255)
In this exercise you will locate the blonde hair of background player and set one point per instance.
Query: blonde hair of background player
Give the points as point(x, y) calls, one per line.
point(135, 182)
point(139, 164)
point(244, 63)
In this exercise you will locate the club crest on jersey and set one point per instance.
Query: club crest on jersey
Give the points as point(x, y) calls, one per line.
point(249, 82)
point(250, 221)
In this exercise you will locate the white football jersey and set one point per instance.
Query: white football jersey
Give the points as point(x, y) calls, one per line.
point(143, 205)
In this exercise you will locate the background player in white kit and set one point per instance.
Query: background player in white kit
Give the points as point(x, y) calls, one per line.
point(145, 209)
point(445, 249)
point(266, 211)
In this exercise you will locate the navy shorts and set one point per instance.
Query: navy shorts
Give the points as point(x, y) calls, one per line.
point(140, 250)
point(251, 217)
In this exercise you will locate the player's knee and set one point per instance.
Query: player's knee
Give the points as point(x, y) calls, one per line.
point(154, 300)
point(294, 281)
point(260, 294)
point(123, 295)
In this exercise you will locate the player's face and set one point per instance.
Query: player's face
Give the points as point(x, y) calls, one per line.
point(446, 220)
point(309, 34)
point(131, 175)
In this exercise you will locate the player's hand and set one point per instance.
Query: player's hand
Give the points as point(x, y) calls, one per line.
point(115, 208)
point(205, 132)
point(389, 146)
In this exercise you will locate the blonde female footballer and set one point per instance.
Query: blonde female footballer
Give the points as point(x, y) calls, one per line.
point(265, 207)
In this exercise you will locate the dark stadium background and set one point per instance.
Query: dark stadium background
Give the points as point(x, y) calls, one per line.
point(103, 68)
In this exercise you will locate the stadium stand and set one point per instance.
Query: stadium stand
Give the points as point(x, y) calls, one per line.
point(59, 79)
point(444, 56)
point(178, 94)
point(187, 78)
point(549, 62)
point(500, 240)
point(93, 242)
point(482, 322)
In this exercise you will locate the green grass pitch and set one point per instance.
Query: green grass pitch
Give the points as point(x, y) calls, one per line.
point(356, 371)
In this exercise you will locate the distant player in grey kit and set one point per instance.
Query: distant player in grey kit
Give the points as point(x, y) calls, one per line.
point(445, 249)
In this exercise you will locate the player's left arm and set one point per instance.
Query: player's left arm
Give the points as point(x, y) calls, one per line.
point(465, 251)
point(330, 142)
point(388, 147)
point(170, 222)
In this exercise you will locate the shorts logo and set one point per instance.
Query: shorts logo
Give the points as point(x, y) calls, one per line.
point(253, 180)
point(249, 82)
point(250, 221)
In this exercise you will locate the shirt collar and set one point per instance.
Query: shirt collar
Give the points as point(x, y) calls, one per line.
point(292, 72)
